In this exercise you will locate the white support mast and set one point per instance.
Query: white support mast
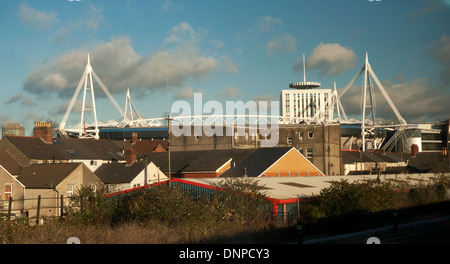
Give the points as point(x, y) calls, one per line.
point(84, 130)
point(367, 87)
point(88, 85)
point(335, 103)
point(131, 109)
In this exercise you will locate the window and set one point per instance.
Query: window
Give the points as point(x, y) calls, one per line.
point(8, 191)
point(69, 190)
point(309, 152)
point(310, 134)
point(300, 135)
point(236, 135)
point(289, 140)
point(72, 153)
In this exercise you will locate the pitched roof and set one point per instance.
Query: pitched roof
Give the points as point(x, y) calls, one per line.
point(196, 160)
point(256, 162)
point(143, 146)
point(113, 173)
point(67, 148)
point(428, 162)
point(9, 163)
point(45, 176)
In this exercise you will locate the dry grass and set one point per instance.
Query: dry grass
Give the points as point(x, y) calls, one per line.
point(57, 232)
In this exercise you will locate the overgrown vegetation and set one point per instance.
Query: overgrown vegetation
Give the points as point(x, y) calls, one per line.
point(237, 213)
point(347, 207)
point(167, 214)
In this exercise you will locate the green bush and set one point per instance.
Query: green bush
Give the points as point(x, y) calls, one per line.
point(345, 206)
point(238, 201)
point(88, 207)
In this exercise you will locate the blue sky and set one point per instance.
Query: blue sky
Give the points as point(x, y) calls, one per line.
point(228, 50)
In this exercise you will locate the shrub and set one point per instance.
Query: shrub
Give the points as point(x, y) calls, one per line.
point(346, 206)
point(89, 207)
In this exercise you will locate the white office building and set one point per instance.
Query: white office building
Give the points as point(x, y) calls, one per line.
point(306, 103)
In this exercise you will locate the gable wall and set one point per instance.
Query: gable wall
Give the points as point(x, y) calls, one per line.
point(292, 164)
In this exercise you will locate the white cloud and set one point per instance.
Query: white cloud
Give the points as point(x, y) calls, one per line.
point(267, 23)
point(230, 93)
point(184, 32)
point(417, 101)
point(36, 19)
point(119, 66)
point(331, 58)
point(93, 17)
point(227, 65)
point(168, 5)
point(440, 50)
point(284, 42)
point(217, 43)
point(21, 99)
point(426, 9)
point(185, 93)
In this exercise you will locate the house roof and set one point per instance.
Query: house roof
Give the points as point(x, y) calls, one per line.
point(67, 148)
point(428, 162)
point(46, 176)
point(256, 162)
point(143, 146)
point(9, 163)
point(114, 173)
point(196, 160)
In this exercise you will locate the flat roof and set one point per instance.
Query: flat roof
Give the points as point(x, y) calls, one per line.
point(283, 188)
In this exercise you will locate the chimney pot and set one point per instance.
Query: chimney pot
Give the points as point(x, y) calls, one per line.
point(43, 130)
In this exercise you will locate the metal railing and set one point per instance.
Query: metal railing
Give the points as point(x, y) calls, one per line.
point(36, 208)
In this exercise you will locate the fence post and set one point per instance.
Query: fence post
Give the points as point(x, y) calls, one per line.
point(62, 206)
point(38, 209)
point(395, 220)
point(299, 232)
point(9, 207)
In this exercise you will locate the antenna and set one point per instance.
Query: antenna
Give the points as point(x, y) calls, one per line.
point(304, 84)
point(304, 69)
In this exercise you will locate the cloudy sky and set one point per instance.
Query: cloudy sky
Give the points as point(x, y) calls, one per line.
point(167, 50)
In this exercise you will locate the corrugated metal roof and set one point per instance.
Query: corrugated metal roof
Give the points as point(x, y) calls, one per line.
point(283, 188)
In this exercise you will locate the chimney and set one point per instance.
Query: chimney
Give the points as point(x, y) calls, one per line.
point(134, 138)
point(414, 150)
point(43, 130)
point(130, 155)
